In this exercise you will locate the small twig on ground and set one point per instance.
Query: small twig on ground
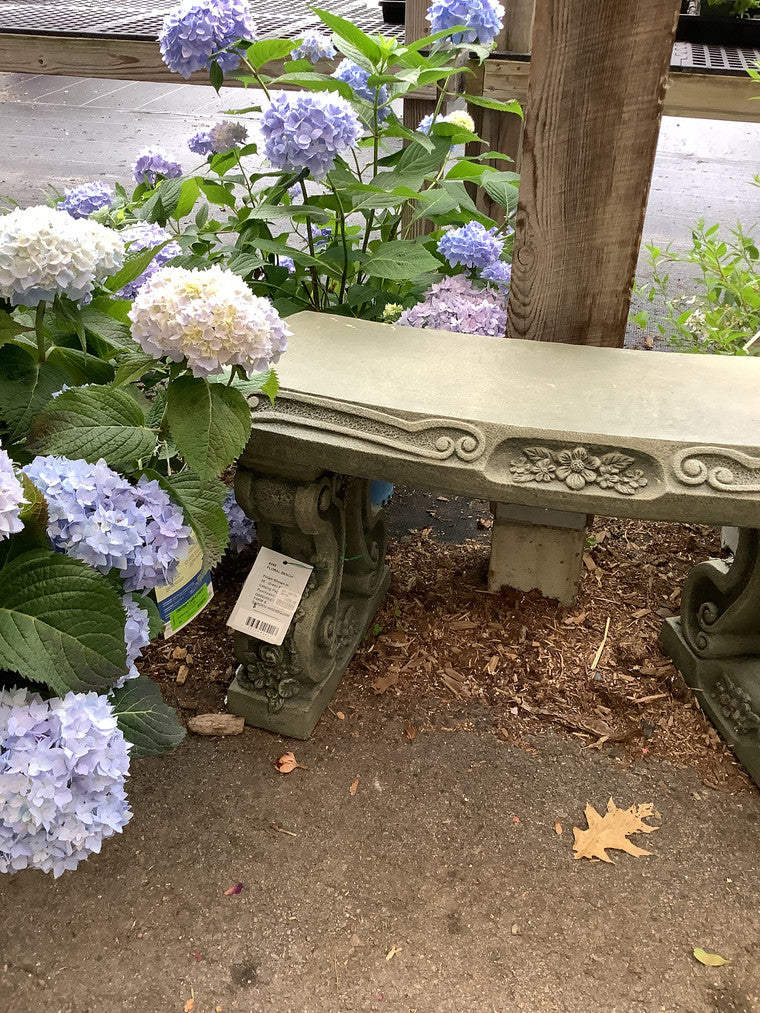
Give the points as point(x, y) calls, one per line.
point(598, 654)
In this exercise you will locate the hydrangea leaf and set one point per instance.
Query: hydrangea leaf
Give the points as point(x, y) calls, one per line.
point(61, 623)
point(94, 422)
point(81, 366)
point(400, 260)
point(265, 50)
point(348, 31)
point(210, 424)
point(201, 503)
point(145, 720)
point(25, 388)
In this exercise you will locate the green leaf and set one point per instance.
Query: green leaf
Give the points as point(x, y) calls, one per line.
point(201, 503)
point(513, 106)
point(148, 604)
point(133, 267)
point(400, 260)
point(25, 388)
point(216, 76)
point(348, 31)
point(500, 187)
point(132, 367)
point(188, 195)
point(266, 382)
point(94, 422)
point(217, 193)
point(81, 366)
point(9, 327)
point(315, 82)
point(709, 959)
point(266, 50)
point(209, 423)
point(61, 623)
point(146, 721)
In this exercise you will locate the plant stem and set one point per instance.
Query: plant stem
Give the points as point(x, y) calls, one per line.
point(38, 321)
point(310, 240)
point(258, 77)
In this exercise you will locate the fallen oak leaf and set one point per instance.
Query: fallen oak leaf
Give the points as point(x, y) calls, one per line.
point(708, 959)
point(234, 890)
point(611, 831)
point(288, 762)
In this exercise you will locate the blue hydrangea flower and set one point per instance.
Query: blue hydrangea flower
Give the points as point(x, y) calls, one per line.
point(63, 763)
point(498, 273)
point(357, 77)
point(96, 515)
point(194, 33)
point(11, 498)
point(226, 135)
point(136, 636)
point(472, 245)
point(457, 304)
point(303, 130)
point(82, 200)
point(141, 236)
point(482, 19)
point(426, 124)
point(200, 143)
point(151, 164)
point(289, 263)
point(320, 235)
point(315, 47)
point(242, 528)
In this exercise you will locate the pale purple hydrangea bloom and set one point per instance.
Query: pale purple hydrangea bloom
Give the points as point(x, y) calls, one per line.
point(81, 201)
point(200, 143)
point(226, 135)
point(303, 130)
point(194, 33)
point(11, 498)
point(242, 528)
point(426, 124)
point(498, 273)
point(289, 263)
point(136, 636)
point(141, 236)
point(210, 318)
point(63, 763)
point(357, 78)
point(481, 18)
point(151, 164)
point(315, 47)
point(96, 515)
point(472, 245)
point(320, 235)
point(456, 304)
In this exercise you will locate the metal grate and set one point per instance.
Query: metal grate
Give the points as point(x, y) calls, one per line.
point(129, 17)
point(718, 59)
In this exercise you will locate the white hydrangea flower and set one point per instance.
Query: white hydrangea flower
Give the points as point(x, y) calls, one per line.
point(44, 252)
point(460, 118)
point(209, 317)
point(11, 498)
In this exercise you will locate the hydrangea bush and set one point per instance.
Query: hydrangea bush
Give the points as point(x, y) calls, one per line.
point(133, 326)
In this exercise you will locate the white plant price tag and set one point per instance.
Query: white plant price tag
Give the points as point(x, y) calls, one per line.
point(270, 596)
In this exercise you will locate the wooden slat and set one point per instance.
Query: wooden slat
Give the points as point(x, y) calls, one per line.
point(417, 27)
point(598, 75)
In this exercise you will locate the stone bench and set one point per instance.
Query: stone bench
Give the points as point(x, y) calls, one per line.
point(556, 431)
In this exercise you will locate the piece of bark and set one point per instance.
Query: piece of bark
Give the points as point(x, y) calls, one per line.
point(216, 724)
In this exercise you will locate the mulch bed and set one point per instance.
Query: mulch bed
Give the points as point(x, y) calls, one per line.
point(444, 648)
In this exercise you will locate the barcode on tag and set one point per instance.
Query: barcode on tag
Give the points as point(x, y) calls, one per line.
point(260, 626)
point(270, 596)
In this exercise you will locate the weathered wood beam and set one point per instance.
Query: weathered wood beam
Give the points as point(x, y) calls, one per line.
point(598, 76)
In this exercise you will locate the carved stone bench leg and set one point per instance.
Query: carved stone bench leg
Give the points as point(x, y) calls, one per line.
point(716, 645)
point(325, 520)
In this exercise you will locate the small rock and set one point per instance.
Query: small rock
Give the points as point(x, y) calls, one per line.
point(179, 652)
point(182, 675)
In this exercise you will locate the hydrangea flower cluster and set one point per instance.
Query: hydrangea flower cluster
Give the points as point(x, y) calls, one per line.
point(142, 236)
point(315, 47)
point(242, 528)
point(456, 304)
point(472, 245)
point(96, 515)
point(193, 35)
point(498, 273)
point(44, 252)
point(357, 78)
point(289, 263)
point(63, 763)
point(226, 135)
point(81, 201)
point(303, 130)
point(459, 118)
point(136, 636)
point(481, 18)
point(11, 498)
point(211, 318)
point(200, 143)
point(152, 163)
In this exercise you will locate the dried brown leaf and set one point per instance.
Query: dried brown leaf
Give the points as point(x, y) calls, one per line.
point(410, 731)
point(558, 828)
point(354, 787)
point(188, 1007)
point(384, 682)
point(287, 762)
point(612, 830)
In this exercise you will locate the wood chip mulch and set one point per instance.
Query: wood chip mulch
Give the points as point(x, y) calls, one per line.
point(593, 672)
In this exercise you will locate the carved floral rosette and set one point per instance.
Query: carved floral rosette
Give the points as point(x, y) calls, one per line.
point(578, 467)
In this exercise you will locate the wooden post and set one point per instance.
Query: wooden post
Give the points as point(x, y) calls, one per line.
point(416, 28)
point(503, 131)
point(598, 75)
